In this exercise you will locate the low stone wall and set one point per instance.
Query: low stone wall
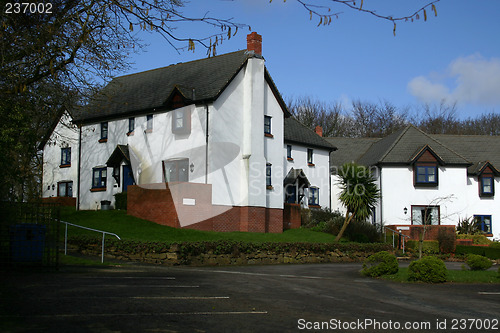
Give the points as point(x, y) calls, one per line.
point(178, 254)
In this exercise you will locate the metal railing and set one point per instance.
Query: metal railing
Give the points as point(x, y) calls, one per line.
point(104, 233)
point(399, 233)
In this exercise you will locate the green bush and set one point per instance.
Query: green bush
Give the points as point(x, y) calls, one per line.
point(485, 251)
point(381, 263)
point(478, 263)
point(428, 247)
point(428, 269)
point(495, 245)
point(476, 239)
point(121, 200)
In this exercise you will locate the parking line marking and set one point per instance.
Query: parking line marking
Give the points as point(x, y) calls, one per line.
point(138, 297)
point(209, 313)
point(488, 293)
point(265, 274)
point(128, 277)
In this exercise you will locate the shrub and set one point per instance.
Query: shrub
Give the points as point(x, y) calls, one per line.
point(495, 245)
point(380, 263)
point(486, 251)
point(428, 269)
point(468, 226)
point(478, 263)
point(476, 239)
point(428, 247)
point(121, 200)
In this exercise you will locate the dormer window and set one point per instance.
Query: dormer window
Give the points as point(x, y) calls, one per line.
point(426, 174)
point(486, 180)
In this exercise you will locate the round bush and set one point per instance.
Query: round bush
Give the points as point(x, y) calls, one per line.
point(428, 269)
point(478, 263)
point(380, 263)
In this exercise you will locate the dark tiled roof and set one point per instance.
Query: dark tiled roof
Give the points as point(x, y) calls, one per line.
point(295, 174)
point(120, 153)
point(295, 132)
point(197, 81)
point(478, 149)
point(349, 149)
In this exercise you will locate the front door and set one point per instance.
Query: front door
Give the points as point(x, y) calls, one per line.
point(128, 177)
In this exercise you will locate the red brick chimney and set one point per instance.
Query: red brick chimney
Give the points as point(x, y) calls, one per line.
point(254, 43)
point(319, 130)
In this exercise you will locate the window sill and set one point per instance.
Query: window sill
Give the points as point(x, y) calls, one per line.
point(311, 164)
point(98, 189)
point(289, 159)
point(269, 187)
point(314, 206)
point(148, 131)
point(103, 140)
point(65, 166)
point(130, 133)
point(268, 135)
point(486, 195)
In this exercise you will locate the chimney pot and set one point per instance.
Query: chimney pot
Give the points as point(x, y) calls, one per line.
point(254, 43)
point(319, 130)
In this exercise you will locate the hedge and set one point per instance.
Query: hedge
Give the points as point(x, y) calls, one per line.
point(485, 251)
point(428, 247)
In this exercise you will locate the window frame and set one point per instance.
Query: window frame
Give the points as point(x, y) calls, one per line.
point(104, 131)
point(178, 163)
point(67, 185)
point(268, 126)
point(269, 179)
point(426, 167)
point(482, 192)
point(425, 207)
point(482, 223)
point(313, 194)
point(65, 157)
point(149, 123)
point(310, 156)
point(131, 126)
point(186, 121)
point(289, 152)
point(98, 186)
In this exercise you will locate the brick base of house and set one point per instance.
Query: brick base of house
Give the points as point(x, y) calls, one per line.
point(414, 231)
point(63, 201)
point(189, 205)
point(291, 216)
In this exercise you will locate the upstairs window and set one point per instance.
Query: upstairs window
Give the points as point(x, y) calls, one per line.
point(104, 132)
point(289, 152)
point(149, 123)
point(426, 174)
point(486, 186)
point(65, 157)
point(310, 157)
point(99, 178)
point(267, 126)
point(181, 121)
point(131, 126)
point(313, 196)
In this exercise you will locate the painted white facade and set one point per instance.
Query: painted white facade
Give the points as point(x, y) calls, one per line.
point(457, 196)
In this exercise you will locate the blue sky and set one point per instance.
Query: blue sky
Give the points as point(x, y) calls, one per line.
point(454, 56)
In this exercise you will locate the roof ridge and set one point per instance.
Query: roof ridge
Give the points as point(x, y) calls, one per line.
point(182, 63)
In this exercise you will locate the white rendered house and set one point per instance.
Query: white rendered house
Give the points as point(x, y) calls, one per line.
point(428, 179)
point(205, 137)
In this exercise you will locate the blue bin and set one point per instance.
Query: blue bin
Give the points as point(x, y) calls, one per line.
point(27, 242)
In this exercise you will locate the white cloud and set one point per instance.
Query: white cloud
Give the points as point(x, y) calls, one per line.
point(476, 81)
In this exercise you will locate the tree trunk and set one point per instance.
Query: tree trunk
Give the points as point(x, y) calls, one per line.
point(346, 223)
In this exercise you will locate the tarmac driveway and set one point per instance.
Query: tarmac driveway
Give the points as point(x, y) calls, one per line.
point(281, 298)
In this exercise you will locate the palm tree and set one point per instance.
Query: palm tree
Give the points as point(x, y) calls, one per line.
point(359, 193)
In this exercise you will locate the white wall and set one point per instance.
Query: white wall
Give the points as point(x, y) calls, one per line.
point(64, 135)
point(318, 175)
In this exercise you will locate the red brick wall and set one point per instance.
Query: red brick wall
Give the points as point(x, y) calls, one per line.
point(291, 216)
point(166, 206)
point(431, 232)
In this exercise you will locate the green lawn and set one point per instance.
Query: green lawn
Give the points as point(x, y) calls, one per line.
point(132, 228)
point(459, 276)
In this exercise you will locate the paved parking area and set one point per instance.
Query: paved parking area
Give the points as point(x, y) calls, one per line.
point(283, 298)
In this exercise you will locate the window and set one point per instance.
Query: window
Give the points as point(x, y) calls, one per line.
point(425, 215)
point(131, 126)
point(269, 183)
point(65, 157)
point(310, 160)
point(65, 189)
point(181, 121)
point(149, 123)
point(289, 152)
point(426, 175)
point(487, 186)
point(313, 196)
point(484, 223)
point(176, 170)
point(99, 177)
point(104, 132)
point(267, 126)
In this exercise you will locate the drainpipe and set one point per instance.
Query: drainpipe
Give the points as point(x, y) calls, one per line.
point(206, 147)
point(79, 167)
point(381, 196)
